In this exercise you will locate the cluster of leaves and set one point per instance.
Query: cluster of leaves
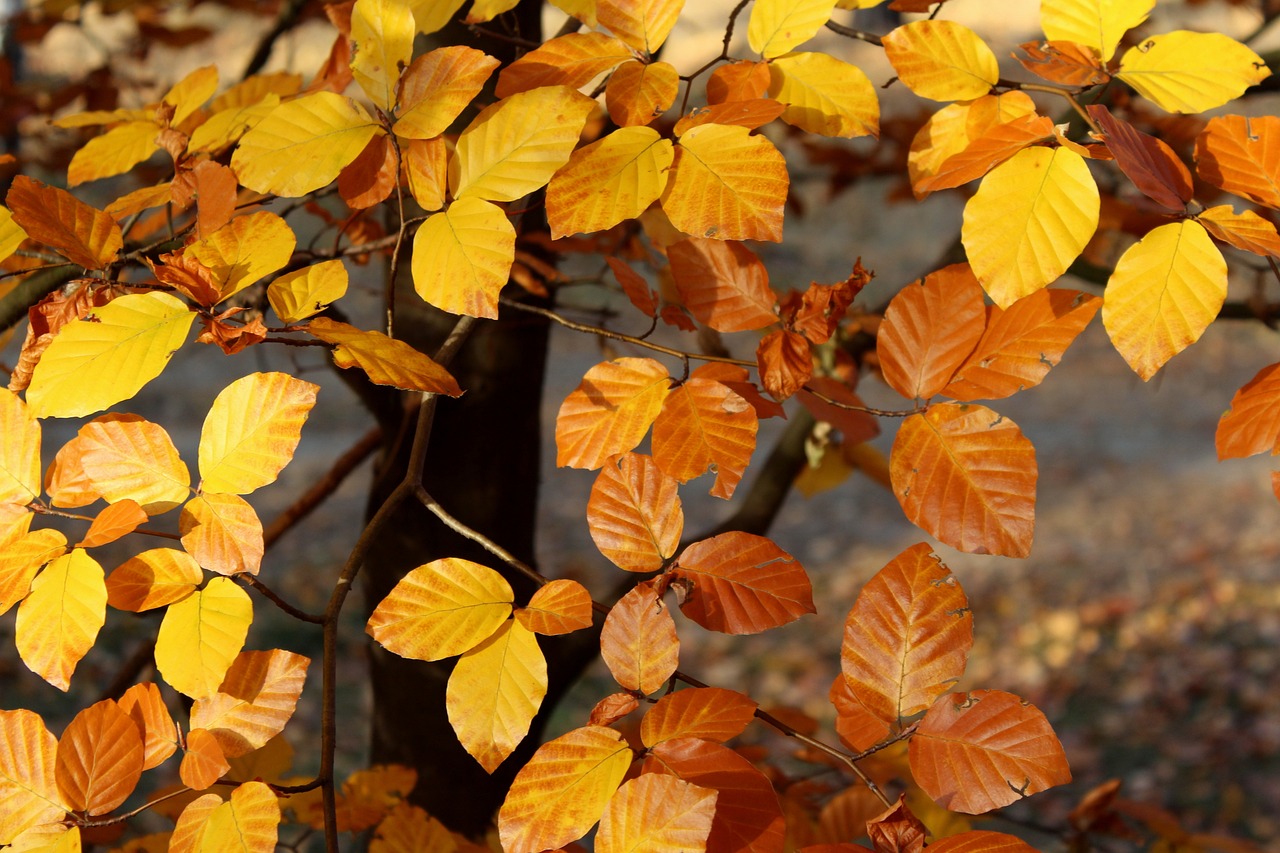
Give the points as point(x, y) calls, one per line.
point(681, 201)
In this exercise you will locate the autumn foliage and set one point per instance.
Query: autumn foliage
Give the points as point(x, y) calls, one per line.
point(485, 176)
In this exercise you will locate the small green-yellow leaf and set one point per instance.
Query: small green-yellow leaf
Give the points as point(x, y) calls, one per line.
point(387, 361)
point(201, 635)
point(461, 258)
point(303, 144)
point(114, 152)
point(383, 34)
point(1165, 291)
point(298, 295)
point(503, 155)
point(1186, 72)
point(1031, 217)
point(60, 618)
point(244, 250)
point(108, 355)
point(441, 609)
point(252, 430)
point(779, 26)
point(824, 95)
point(608, 181)
point(19, 451)
point(1099, 24)
point(942, 60)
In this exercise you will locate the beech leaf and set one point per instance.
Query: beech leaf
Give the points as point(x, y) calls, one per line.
point(82, 234)
point(610, 412)
point(252, 430)
point(743, 584)
point(100, 758)
point(59, 619)
point(929, 330)
point(127, 458)
point(710, 713)
point(387, 361)
point(201, 635)
point(29, 794)
point(561, 606)
point(256, 698)
point(462, 258)
point(942, 60)
point(634, 513)
point(704, 424)
point(727, 184)
point(639, 643)
point(657, 814)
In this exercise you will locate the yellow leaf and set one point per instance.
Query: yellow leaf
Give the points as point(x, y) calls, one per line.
point(643, 24)
point(11, 234)
point(431, 15)
point(254, 89)
point(383, 34)
point(612, 179)
point(223, 533)
point(824, 95)
point(503, 155)
point(252, 430)
point(1099, 24)
point(409, 829)
point(387, 361)
point(610, 411)
point(253, 703)
point(461, 258)
point(658, 814)
point(19, 451)
point(583, 10)
point(244, 250)
point(28, 791)
point(189, 831)
point(437, 87)
point(107, 356)
point(153, 579)
point(1031, 217)
point(190, 93)
point(1165, 291)
point(225, 127)
point(60, 618)
point(779, 26)
point(22, 557)
point(114, 152)
point(125, 457)
point(298, 295)
point(727, 185)
point(942, 60)
point(563, 789)
point(950, 130)
point(1188, 72)
point(487, 10)
point(303, 144)
point(494, 692)
point(201, 635)
point(247, 824)
point(50, 838)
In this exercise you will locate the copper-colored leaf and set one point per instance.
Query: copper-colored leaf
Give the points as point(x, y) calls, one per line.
point(908, 636)
point(561, 606)
point(635, 286)
point(743, 584)
point(612, 708)
point(1064, 62)
point(723, 284)
point(569, 60)
point(28, 791)
point(1021, 344)
point(981, 841)
point(897, 830)
point(967, 476)
point(223, 533)
point(1242, 156)
point(785, 363)
point(995, 145)
point(738, 81)
point(858, 726)
point(710, 713)
point(704, 425)
point(658, 814)
point(153, 579)
point(634, 513)
point(855, 426)
point(387, 361)
point(979, 751)
point(128, 458)
point(367, 180)
point(748, 816)
point(929, 330)
point(1252, 424)
point(751, 114)
point(114, 522)
point(99, 758)
point(610, 412)
point(639, 642)
point(255, 700)
point(145, 706)
point(80, 233)
point(1150, 163)
point(1246, 231)
point(203, 762)
point(59, 619)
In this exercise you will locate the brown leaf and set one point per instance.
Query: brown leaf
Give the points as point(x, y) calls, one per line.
point(1149, 162)
point(1064, 62)
point(723, 284)
point(705, 425)
point(785, 363)
point(368, 180)
point(897, 830)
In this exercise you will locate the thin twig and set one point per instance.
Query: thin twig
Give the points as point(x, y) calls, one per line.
point(850, 32)
point(272, 596)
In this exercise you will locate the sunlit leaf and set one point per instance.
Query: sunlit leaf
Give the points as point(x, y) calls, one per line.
point(1252, 424)
point(252, 430)
point(65, 482)
point(494, 692)
point(114, 152)
point(203, 762)
point(383, 33)
point(643, 24)
point(11, 234)
point(967, 476)
point(942, 60)
point(127, 458)
point(298, 295)
point(431, 15)
point(1031, 217)
point(561, 606)
point(246, 824)
point(1241, 155)
point(153, 579)
point(426, 165)
point(1067, 63)
point(705, 425)
point(723, 284)
point(1188, 72)
point(743, 584)
point(244, 250)
point(1246, 230)
point(441, 609)
point(639, 643)
point(639, 92)
point(983, 153)
point(145, 706)
point(387, 361)
point(462, 257)
point(99, 758)
point(438, 86)
point(201, 635)
point(303, 144)
point(634, 513)
point(908, 636)
point(858, 726)
point(1100, 24)
point(107, 356)
point(572, 60)
point(612, 708)
point(950, 131)
point(979, 751)
point(254, 701)
point(60, 618)
point(610, 412)
point(23, 556)
point(727, 184)
point(82, 234)
point(114, 522)
point(738, 81)
point(191, 824)
point(1164, 292)
point(825, 95)
point(1149, 162)
point(20, 480)
point(223, 533)
point(657, 813)
point(28, 792)
point(779, 26)
point(785, 361)
point(749, 114)
point(612, 179)
point(929, 330)
point(710, 713)
point(225, 127)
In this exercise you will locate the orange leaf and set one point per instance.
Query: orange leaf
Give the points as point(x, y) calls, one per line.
point(751, 114)
point(643, 24)
point(929, 330)
point(981, 841)
point(634, 513)
point(705, 425)
point(114, 522)
point(907, 637)
point(563, 789)
point(437, 87)
point(608, 181)
point(223, 533)
point(982, 750)
point(997, 144)
point(20, 451)
point(28, 791)
point(367, 180)
point(153, 579)
point(1246, 231)
point(255, 700)
point(425, 163)
point(99, 758)
point(213, 186)
point(65, 481)
point(1150, 163)
point(190, 829)
point(559, 607)
point(203, 763)
point(639, 642)
point(638, 92)
point(657, 814)
point(408, 828)
point(244, 250)
point(24, 555)
point(612, 708)
point(249, 821)
point(610, 412)
point(1064, 62)
point(1021, 344)
point(785, 362)
point(1238, 154)
point(635, 286)
point(710, 713)
point(951, 130)
point(1252, 424)
point(858, 726)
point(967, 476)
point(738, 81)
point(855, 426)
point(128, 458)
point(743, 584)
point(387, 361)
point(145, 706)
point(82, 234)
point(723, 283)
point(748, 817)
point(570, 60)
point(59, 619)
